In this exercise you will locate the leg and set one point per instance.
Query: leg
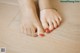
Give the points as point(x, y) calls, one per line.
point(30, 23)
point(49, 17)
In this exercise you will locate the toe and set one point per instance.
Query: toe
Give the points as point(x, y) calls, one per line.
point(57, 21)
point(45, 25)
point(47, 30)
point(59, 17)
point(33, 32)
point(50, 25)
point(54, 24)
point(40, 31)
point(28, 32)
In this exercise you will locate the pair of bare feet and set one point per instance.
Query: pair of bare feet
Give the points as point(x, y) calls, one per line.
point(30, 22)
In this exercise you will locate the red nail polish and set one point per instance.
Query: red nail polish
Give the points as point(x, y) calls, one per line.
point(41, 35)
point(47, 30)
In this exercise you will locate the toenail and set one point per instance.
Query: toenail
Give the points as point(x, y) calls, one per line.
point(47, 30)
point(41, 35)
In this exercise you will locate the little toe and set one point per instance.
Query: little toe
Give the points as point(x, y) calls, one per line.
point(59, 17)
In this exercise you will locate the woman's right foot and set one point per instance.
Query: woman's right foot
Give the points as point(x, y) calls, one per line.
point(30, 23)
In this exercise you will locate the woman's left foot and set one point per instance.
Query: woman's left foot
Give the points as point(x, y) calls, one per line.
point(50, 19)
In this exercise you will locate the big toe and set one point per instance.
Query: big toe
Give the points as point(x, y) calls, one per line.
point(40, 31)
point(45, 25)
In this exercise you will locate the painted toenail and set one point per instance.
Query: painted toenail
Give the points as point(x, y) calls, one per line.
point(47, 30)
point(41, 35)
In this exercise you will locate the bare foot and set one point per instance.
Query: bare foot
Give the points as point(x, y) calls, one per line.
point(50, 19)
point(30, 23)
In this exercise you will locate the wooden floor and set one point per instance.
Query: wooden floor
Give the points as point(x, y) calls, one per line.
point(65, 39)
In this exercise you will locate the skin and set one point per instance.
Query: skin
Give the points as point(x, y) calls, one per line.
point(49, 17)
point(30, 23)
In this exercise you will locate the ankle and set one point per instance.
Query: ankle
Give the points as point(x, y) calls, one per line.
point(48, 9)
